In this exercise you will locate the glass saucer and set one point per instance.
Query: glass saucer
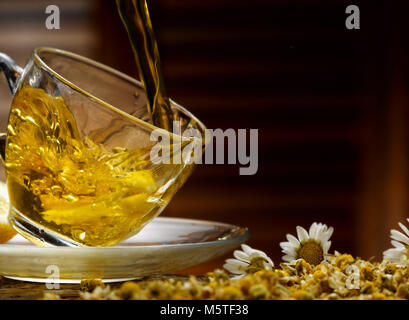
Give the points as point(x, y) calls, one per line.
point(164, 246)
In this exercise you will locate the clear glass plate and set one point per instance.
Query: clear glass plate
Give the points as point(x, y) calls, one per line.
point(165, 245)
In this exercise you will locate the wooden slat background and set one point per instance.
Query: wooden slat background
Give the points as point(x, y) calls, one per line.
point(330, 105)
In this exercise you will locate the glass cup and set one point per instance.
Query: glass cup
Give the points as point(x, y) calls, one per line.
point(78, 152)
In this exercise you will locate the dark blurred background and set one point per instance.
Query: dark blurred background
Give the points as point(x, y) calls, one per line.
point(330, 104)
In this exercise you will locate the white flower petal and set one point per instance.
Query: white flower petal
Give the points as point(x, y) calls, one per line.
point(397, 256)
point(321, 237)
point(312, 231)
point(325, 246)
point(289, 246)
point(302, 234)
point(257, 253)
point(322, 232)
point(293, 240)
point(399, 236)
point(288, 258)
point(394, 252)
point(290, 251)
point(404, 228)
point(235, 266)
point(242, 256)
point(285, 245)
point(397, 244)
point(246, 248)
point(237, 263)
point(329, 232)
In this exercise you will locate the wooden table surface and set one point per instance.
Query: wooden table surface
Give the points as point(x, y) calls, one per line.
point(24, 290)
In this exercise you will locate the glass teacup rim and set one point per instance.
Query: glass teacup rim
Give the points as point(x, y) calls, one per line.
point(42, 64)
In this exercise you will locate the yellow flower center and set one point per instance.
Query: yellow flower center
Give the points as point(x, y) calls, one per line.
point(311, 252)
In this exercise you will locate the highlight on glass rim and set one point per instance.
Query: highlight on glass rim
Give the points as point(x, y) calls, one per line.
point(203, 150)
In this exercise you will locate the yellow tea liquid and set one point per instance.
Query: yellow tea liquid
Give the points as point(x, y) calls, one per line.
point(70, 185)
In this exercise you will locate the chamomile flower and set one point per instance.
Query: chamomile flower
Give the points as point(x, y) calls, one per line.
point(311, 246)
point(248, 261)
point(400, 253)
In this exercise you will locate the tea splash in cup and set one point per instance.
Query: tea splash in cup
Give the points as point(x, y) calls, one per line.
point(78, 153)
